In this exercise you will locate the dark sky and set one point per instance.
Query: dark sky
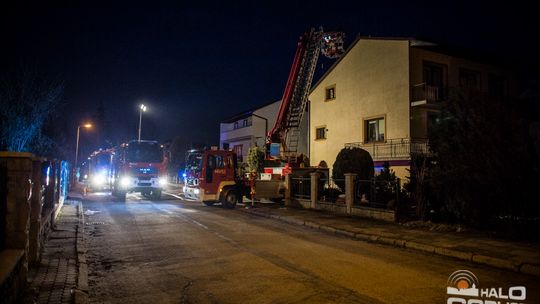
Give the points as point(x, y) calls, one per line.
point(195, 63)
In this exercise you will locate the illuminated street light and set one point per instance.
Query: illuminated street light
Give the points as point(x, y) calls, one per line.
point(87, 126)
point(142, 109)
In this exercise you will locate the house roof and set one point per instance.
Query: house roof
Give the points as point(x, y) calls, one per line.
point(413, 42)
point(420, 44)
point(246, 113)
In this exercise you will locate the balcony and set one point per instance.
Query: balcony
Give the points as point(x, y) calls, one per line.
point(393, 149)
point(237, 134)
point(425, 94)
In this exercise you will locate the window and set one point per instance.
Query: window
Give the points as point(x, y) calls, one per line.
point(246, 122)
point(320, 133)
point(496, 86)
point(374, 129)
point(469, 79)
point(238, 150)
point(434, 76)
point(330, 93)
point(219, 161)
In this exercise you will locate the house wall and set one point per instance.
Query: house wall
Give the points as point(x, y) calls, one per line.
point(270, 112)
point(250, 135)
point(371, 80)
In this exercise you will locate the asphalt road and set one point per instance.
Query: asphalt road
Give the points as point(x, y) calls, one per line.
point(172, 251)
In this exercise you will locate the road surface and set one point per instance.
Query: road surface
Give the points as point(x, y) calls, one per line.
point(172, 251)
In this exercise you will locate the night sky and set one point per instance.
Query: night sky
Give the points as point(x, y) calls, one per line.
point(196, 63)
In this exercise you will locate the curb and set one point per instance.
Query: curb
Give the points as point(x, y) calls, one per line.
point(506, 264)
point(81, 292)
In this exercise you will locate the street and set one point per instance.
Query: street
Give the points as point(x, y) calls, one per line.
point(173, 251)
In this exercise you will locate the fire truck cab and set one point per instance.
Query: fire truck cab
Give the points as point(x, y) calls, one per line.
point(139, 166)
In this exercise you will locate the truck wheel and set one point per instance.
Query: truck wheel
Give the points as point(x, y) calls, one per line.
point(208, 203)
point(229, 200)
point(156, 194)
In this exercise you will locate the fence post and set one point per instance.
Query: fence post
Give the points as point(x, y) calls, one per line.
point(398, 208)
point(35, 213)
point(288, 189)
point(349, 190)
point(314, 189)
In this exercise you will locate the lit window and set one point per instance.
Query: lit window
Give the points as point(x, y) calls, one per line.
point(320, 133)
point(330, 93)
point(236, 124)
point(374, 129)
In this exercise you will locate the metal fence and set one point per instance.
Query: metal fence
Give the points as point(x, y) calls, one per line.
point(397, 148)
point(331, 189)
point(301, 187)
point(377, 194)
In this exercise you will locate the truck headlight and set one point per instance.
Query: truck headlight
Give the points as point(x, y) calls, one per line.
point(196, 191)
point(162, 181)
point(98, 179)
point(125, 181)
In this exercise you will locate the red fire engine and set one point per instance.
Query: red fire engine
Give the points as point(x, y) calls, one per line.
point(139, 166)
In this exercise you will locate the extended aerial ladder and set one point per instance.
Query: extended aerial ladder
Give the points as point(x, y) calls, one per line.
point(286, 130)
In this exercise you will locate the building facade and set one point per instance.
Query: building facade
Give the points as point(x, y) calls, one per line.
point(383, 95)
point(248, 129)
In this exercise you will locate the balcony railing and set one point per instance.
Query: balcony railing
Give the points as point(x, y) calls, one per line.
point(427, 93)
point(399, 148)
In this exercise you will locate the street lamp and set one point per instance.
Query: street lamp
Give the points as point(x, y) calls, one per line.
point(142, 108)
point(77, 145)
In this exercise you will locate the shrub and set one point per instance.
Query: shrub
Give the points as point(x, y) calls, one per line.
point(352, 160)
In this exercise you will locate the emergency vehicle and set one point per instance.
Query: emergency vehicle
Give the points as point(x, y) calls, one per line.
point(211, 175)
point(139, 166)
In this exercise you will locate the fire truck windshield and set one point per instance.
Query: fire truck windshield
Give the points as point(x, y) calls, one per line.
point(102, 160)
point(144, 152)
point(194, 161)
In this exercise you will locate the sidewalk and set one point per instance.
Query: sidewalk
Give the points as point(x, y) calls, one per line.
point(468, 246)
point(56, 278)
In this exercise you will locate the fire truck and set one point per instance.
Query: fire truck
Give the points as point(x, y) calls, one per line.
point(211, 175)
point(139, 166)
point(99, 169)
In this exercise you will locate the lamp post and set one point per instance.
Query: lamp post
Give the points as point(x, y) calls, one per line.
point(77, 146)
point(142, 108)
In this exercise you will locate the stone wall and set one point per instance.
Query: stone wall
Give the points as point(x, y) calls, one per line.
point(30, 199)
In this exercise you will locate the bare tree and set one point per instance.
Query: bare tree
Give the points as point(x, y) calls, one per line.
point(26, 101)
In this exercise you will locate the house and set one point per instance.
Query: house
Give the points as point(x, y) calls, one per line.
point(247, 129)
point(383, 95)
